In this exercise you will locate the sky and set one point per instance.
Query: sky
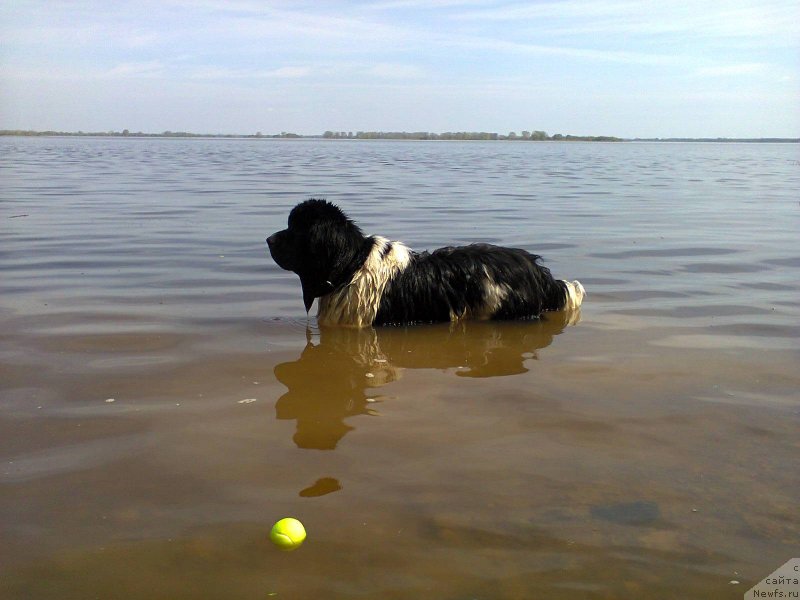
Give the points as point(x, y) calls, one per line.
point(642, 68)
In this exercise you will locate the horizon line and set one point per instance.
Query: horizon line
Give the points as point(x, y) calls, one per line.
point(419, 135)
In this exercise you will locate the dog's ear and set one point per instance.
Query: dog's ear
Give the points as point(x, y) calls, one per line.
point(331, 248)
point(308, 294)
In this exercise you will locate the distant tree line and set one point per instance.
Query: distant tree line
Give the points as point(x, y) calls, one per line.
point(360, 135)
point(392, 135)
point(411, 135)
point(127, 133)
point(462, 135)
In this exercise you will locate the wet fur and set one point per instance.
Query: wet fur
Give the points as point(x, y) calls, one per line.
point(368, 280)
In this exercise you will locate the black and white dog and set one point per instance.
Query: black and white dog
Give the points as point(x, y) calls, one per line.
point(368, 280)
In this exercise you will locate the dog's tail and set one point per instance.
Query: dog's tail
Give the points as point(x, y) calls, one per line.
point(575, 294)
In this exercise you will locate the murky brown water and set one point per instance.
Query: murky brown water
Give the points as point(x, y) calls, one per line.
point(164, 399)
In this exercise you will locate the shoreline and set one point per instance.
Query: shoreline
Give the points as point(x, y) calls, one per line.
point(399, 136)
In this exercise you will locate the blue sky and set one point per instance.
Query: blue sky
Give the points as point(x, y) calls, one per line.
point(642, 68)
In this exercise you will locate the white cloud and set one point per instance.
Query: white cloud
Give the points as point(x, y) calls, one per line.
point(395, 71)
point(566, 8)
point(137, 69)
point(591, 54)
point(731, 70)
point(229, 73)
point(424, 4)
point(289, 72)
point(141, 39)
point(738, 18)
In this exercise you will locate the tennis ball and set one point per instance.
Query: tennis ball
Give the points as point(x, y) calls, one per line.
point(287, 534)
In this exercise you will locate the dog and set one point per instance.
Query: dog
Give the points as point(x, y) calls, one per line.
point(368, 280)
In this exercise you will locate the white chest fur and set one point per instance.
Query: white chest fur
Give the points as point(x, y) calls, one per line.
point(356, 304)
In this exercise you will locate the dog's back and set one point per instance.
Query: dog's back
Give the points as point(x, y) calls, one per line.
point(480, 281)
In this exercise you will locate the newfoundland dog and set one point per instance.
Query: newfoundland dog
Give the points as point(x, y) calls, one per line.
point(368, 280)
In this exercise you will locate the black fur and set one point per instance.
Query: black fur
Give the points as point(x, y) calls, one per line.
point(451, 281)
point(327, 250)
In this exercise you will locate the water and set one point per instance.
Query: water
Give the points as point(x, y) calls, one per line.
point(164, 398)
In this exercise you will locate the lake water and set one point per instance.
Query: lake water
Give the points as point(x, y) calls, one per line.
point(165, 399)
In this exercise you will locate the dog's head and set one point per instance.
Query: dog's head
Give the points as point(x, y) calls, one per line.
point(321, 245)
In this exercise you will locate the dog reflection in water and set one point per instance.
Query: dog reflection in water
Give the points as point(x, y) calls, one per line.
point(338, 376)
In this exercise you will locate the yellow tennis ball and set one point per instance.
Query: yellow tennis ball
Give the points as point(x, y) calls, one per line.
point(287, 534)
